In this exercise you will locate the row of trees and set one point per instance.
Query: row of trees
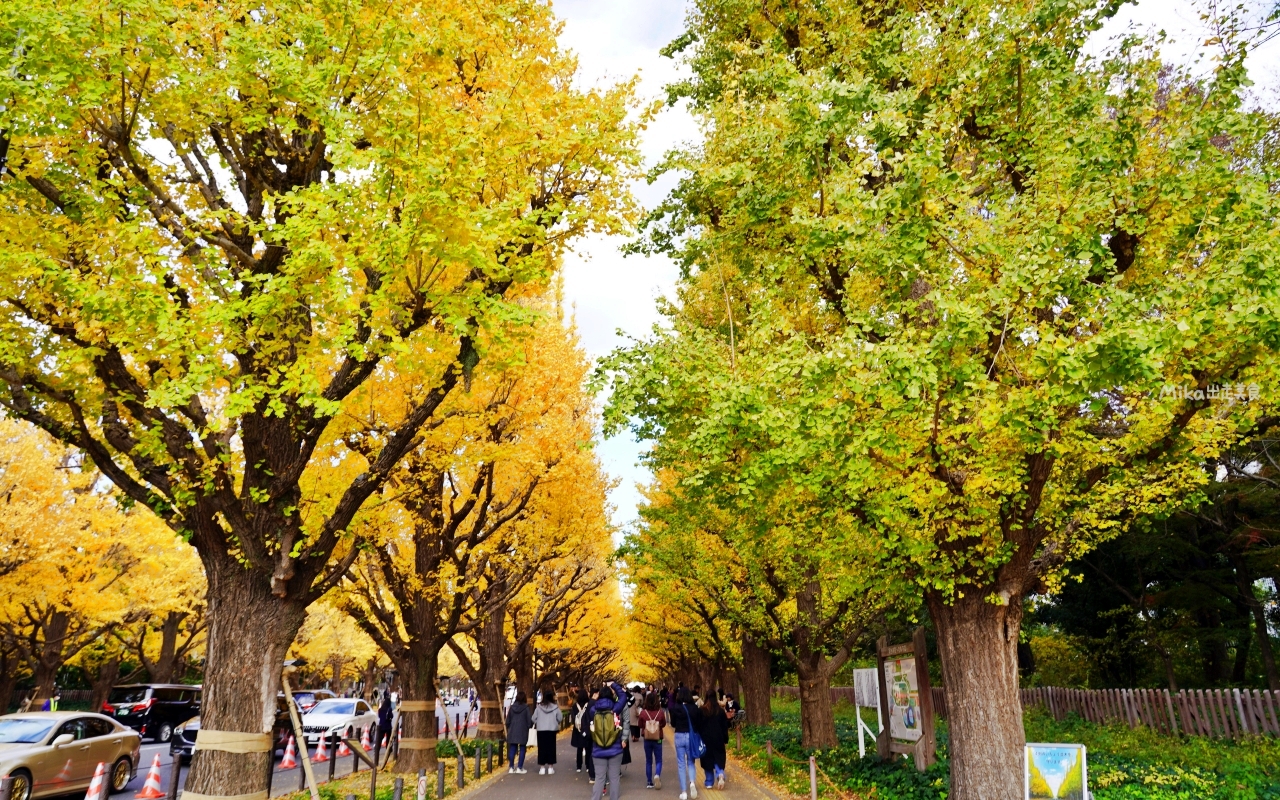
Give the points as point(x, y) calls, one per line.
point(270, 269)
point(960, 298)
point(86, 581)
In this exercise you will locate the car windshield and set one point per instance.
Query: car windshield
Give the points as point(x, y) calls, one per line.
point(127, 694)
point(24, 731)
point(334, 707)
point(304, 698)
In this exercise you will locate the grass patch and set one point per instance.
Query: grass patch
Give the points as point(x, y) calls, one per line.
point(1124, 764)
point(358, 784)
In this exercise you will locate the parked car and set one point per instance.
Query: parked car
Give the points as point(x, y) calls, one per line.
point(343, 716)
point(153, 709)
point(306, 698)
point(56, 752)
point(182, 745)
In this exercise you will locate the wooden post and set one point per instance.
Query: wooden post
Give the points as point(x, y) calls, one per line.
point(462, 764)
point(333, 753)
point(768, 751)
point(373, 780)
point(813, 778)
point(488, 752)
point(298, 733)
point(175, 777)
point(439, 779)
point(882, 739)
point(927, 747)
point(738, 731)
point(477, 773)
point(6, 788)
point(421, 793)
point(397, 790)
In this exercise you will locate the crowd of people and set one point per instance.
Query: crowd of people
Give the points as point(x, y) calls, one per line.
point(611, 724)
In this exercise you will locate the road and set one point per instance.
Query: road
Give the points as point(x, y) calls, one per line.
point(283, 781)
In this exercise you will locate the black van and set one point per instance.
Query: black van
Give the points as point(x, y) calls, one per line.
point(153, 709)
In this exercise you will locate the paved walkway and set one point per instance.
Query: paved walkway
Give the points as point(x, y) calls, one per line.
point(567, 783)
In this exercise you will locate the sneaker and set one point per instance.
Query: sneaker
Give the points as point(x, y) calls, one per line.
point(551, 770)
point(684, 796)
point(522, 771)
point(720, 781)
point(592, 782)
point(648, 786)
point(511, 770)
point(657, 781)
point(578, 770)
point(693, 791)
point(542, 770)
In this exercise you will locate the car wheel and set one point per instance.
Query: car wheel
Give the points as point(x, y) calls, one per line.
point(164, 733)
point(21, 784)
point(121, 774)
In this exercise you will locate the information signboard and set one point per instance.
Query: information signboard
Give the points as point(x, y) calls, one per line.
point(1056, 772)
point(903, 672)
point(904, 698)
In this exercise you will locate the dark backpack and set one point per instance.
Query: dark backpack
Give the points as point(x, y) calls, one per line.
point(604, 729)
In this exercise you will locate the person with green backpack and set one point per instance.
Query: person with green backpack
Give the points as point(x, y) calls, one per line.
point(607, 739)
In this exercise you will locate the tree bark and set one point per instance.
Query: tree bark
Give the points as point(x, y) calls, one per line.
point(978, 645)
point(250, 631)
point(817, 713)
point(108, 672)
point(49, 660)
point(418, 683)
point(162, 669)
point(8, 678)
point(492, 683)
point(755, 682)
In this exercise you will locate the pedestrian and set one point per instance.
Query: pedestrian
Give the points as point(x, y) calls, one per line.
point(385, 712)
point(633, 713)
point(653, 721)
point(519, 722)
point(715, 737)
point(608, 739)
point(546, 720)
point(581, 737)
point(683, 716)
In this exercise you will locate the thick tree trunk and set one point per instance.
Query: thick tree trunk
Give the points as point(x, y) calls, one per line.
point(523, 667)
point(250, 631)
point(108, 672)
point(163, 668)
point(755, 682)
point(418, 684)
point(370, 676)
point(49, 659)
point(492, 682)
point(978, 645)
point(817, 713)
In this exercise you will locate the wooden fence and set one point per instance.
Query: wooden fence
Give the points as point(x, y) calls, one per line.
point(1220, 713)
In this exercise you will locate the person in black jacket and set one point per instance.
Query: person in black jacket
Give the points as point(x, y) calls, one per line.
point(581, 739)
point(715, 735)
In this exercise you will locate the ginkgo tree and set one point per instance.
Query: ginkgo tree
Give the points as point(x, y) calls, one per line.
point(476, 498)
point(80, 564)
point(988, 295)
point(221, 220)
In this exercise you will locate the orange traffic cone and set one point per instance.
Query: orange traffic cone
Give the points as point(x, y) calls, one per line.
point(343, 750)
point(95, 788)
point(364, 740)
point(151, 789)
point(290, 759)
point(322, 755)
point(65, 774)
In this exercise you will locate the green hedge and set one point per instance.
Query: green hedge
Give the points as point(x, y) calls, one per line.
point(1124, 764)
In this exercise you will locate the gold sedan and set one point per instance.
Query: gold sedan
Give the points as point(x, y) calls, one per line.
point(56, 752)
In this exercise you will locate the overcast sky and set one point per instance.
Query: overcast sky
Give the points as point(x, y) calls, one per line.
point(616, 39)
